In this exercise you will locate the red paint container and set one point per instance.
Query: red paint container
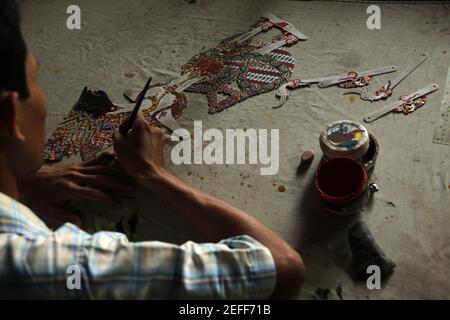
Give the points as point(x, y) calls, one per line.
point(342, 184)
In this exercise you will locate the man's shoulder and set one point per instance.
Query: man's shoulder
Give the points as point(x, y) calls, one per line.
point(16, 217)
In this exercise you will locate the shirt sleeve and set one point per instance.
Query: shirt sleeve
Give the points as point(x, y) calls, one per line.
point(70, 263)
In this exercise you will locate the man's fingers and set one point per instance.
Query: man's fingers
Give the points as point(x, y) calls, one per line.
point(123, 127)
point(94, 169)
point(93, 194)
point(106, 182)
point(103, 170)
point(103, 158)
point(139, 122)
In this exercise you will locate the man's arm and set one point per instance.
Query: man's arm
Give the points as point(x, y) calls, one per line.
point(141, 155)
point(70, 263)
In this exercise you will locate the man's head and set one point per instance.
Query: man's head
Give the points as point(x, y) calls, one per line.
point(22, 103)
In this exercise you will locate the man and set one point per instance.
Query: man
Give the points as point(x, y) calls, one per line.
point(252, 261)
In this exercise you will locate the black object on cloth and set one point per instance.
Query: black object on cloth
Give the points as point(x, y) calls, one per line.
point(366, 252)
point(96, 103)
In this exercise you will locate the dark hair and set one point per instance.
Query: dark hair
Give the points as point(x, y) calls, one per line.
point(13, 50)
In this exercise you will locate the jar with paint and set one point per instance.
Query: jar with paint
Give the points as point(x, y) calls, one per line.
point(343, 185)
point(346, 138)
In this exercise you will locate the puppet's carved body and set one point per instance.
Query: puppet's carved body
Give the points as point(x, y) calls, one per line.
point(234, 60)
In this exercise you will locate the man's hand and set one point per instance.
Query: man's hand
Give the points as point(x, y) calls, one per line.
point(140, 152)
point(51, 186)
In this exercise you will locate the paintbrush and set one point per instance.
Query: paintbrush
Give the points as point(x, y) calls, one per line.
point(126, 126)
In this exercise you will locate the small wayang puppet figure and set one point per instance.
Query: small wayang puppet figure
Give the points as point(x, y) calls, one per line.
point(88, 129)
point(255, 68)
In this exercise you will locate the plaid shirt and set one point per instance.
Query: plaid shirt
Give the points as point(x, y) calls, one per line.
point(36, 262)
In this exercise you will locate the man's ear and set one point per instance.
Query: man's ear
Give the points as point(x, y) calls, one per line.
point(9, 105)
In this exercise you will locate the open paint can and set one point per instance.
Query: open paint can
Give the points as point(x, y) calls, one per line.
point(342, 184)
point(346, 138)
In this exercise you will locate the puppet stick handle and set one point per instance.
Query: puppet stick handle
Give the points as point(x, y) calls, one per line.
point(403, 100)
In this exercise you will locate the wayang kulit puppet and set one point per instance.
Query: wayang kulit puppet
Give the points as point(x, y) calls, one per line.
point(235, 68)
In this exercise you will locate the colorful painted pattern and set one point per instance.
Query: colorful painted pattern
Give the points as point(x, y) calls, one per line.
point(253, 73)
point(345, 135)
point(87, 134)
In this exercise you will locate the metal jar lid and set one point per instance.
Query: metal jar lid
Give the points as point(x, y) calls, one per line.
point(344, 138)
